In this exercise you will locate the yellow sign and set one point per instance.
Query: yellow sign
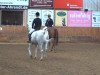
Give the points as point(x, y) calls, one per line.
point(60, 18)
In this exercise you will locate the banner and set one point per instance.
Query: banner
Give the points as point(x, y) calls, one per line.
point(95, 19)
point(13, 7)
point(60, 18)
point(14, 2)
point(79, 19)
point(32, 16)
point(68, 4)
point(45, 15)
point(41, 3)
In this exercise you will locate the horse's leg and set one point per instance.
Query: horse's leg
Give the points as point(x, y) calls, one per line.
point(29, 49)
point(51, 49)
point(55, 44)
point(41, 49)
point(49, 46)
point(52, 44)
point(46, 48)
point(36, 51)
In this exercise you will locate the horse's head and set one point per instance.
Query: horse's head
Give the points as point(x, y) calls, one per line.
point(45, 28)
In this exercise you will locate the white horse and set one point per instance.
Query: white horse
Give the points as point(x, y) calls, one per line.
point(40, 39)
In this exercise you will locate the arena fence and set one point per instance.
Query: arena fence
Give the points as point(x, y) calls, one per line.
point(79, 34)
point(18, 34)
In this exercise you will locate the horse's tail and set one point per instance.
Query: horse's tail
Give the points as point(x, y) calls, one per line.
point(56, 36)
point(49, 40)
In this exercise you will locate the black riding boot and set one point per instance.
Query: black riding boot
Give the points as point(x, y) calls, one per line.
point(29, 38)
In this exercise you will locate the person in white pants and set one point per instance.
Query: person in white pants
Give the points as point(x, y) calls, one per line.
point(36, 25)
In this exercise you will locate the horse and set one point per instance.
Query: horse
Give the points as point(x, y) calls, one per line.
point(53, 33)
point(40, 39)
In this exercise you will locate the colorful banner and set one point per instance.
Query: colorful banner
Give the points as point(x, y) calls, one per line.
point(45, 15)
point(60, 18)
point(95, 19)
point(79, 19)
point(41, 3)
point(68, 4)
point(31, 16)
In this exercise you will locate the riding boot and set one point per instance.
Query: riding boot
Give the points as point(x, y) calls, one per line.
point(29, 38)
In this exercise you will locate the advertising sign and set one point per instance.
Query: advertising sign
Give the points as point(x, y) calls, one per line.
point(31, 16)
point(95, 19)
point(41, 3)
point(13, 7)
point(68, 4)
point(14, 2)
point(60, 17)
point(45, 15)
point(79, 19)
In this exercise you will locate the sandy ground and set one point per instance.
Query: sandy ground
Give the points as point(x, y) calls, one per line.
point(69, 59)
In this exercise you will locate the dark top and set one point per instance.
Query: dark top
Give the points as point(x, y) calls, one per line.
point(36, 24)
point(49, 23)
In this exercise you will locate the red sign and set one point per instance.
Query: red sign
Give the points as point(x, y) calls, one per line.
point(41, 3)
point(68, 4)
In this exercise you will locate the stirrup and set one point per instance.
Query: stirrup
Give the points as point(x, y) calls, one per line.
point(28, 41)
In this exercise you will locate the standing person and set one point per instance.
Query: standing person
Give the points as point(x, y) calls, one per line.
point(36, 25)
point(49, 21)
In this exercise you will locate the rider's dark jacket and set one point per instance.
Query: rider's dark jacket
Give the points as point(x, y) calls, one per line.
point(36, 24)
point(49, 22)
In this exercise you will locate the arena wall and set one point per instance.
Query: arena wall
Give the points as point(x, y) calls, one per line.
point(13, 34)
point(18, 34)
point(79, 34)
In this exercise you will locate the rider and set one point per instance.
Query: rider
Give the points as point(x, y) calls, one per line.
point(49, 24)
point(36, 25)
point(49, 21)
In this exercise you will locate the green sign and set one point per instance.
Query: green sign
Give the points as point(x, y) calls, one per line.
point(61, 13)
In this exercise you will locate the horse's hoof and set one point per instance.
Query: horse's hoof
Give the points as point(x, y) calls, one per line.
point(31, 56)
point(51, 50)
point(54, 51)
point(34, 57)
point(41, 59)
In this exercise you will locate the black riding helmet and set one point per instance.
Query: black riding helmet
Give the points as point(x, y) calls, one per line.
point(49, 15)
point(37, 13)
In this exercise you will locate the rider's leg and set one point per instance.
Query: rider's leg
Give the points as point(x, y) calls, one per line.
point(29, 35)
point(29, 38)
